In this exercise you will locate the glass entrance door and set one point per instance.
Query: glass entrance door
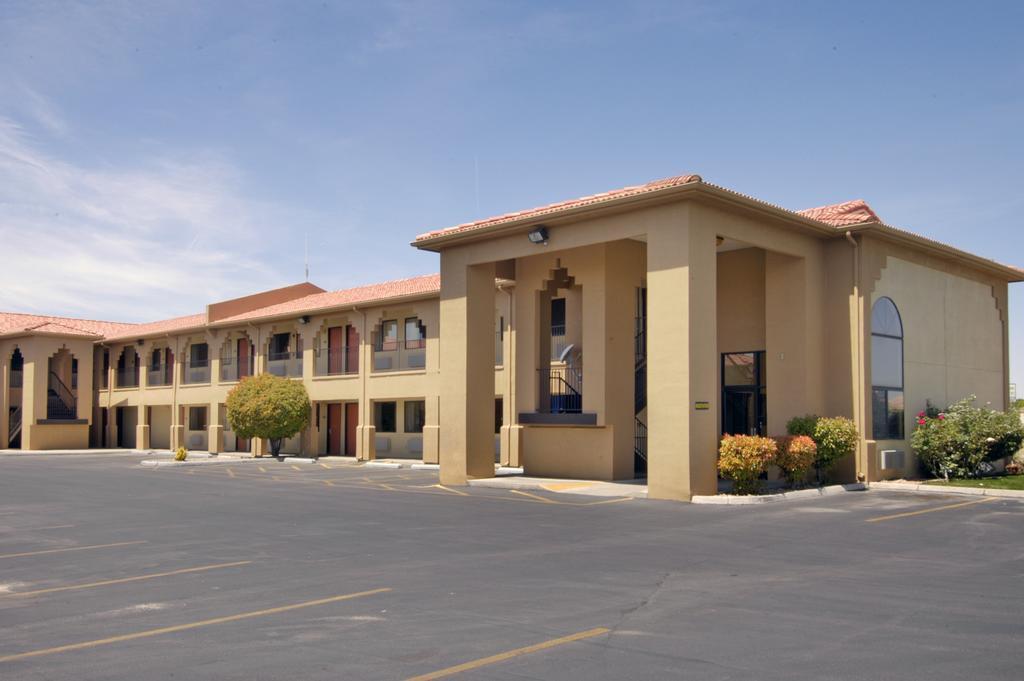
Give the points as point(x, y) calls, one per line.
point(744, 397)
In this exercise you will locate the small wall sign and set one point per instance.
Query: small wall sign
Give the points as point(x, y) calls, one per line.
point(702, 406)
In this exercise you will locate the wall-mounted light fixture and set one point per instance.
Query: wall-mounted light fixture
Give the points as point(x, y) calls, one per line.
point(140, 342)
point(304, 319)
point(538, 235)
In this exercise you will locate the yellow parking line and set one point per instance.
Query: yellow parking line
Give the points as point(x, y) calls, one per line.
point(501, 657)
point(930, 510)
point(294, 467)
point(139, 578)
point(534, 496)
point(617, 500)
point(262, 469)
point(231, 473)
point(185, 627)
point(453, 491)
point(328, 483)
point(72, 548)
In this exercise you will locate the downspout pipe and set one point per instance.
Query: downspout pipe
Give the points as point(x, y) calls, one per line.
point(858, 355)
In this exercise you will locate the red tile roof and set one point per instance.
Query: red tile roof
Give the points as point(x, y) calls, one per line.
point(17, 323)
point(594, 199)
point(842, 214)
point(192, 321)
point(398, 288)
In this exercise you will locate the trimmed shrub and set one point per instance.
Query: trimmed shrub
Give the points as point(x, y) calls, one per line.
point(802, 425)
point(180, 454)
point(961, 441)
point(743, 458)
point(268, 406)
point(796, 456)
point(835, 437)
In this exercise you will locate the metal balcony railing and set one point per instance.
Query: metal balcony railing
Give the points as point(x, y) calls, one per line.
point(158, 375)
point(399, 359)
point(235, 369)
point(337, 361)
point(127, 377)
point(285, 364)
point(196, 371)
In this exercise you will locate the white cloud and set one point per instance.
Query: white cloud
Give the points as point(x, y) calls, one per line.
point(141, 243)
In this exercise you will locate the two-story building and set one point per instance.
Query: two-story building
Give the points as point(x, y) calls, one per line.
point(613, 336)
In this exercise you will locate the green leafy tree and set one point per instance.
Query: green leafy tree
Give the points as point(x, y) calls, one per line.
point(268, 406)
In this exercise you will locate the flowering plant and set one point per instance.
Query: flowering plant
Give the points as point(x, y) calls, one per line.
point(959, 441)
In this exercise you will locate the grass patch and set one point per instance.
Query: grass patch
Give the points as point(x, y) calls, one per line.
point(998, 482)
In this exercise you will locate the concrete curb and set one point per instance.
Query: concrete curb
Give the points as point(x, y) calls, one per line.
point(924, 488)
point(797, 495)
point(212, 461)
point(426, 466)
point(382, 464)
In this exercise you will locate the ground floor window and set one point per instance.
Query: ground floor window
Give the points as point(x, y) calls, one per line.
point(744, 394)
point(887, 410)
point(197, 418)
point(499, 417)
point(384, 416)
point(415, 416)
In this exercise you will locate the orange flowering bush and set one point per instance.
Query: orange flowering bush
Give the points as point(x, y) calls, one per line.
point(743, 458)
point(796, 457)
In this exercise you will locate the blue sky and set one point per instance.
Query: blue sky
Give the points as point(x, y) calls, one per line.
point(195, 145)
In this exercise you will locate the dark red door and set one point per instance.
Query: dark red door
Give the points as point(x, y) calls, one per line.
point(243, 358)
point(351, 421)
point(334, 430)
point(241, 444)
point(335, 340)
point(351, 350)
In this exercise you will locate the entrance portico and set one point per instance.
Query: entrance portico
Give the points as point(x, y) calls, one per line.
point(654, 281)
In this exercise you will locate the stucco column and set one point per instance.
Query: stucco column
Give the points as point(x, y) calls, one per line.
point(142, 428)
point(215, 429)
point(682, 360)
point(467, 373)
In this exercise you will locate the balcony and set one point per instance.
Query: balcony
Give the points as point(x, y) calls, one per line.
point(337, 361)
point(127, 378)
point(285, 364)
point(196, 371)
point(159, 375)
point(395, 357)
point(231, 369)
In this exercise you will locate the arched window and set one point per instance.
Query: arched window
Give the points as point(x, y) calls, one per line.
point(887, 404)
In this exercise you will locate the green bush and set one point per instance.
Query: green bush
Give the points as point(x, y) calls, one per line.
point(836, 437)
point(956, 443)
point(743, 458)
point(180, 454)
point(796, 456)
point(268, 406)
point(802, 425)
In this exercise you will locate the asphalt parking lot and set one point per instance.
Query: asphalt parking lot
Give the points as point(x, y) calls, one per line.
point(112, 571)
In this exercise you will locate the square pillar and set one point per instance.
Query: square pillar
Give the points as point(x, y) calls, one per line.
point(682, 360)
point(467, 371)
point(214, 430)
point(142, 428)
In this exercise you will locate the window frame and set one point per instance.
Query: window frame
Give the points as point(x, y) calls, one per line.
point(420, 341)
point(420, 422)
point(192, 411)
point(383, 344)
point(890, 428)
point(378, 416)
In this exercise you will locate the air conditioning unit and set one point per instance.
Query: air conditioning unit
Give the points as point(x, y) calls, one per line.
point(892, 458)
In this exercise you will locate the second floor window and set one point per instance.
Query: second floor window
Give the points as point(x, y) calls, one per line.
point(198, 354)
point(387, 339)
point(415, 334)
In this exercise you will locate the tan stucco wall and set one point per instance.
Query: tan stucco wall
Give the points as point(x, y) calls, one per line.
point(953, 340)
